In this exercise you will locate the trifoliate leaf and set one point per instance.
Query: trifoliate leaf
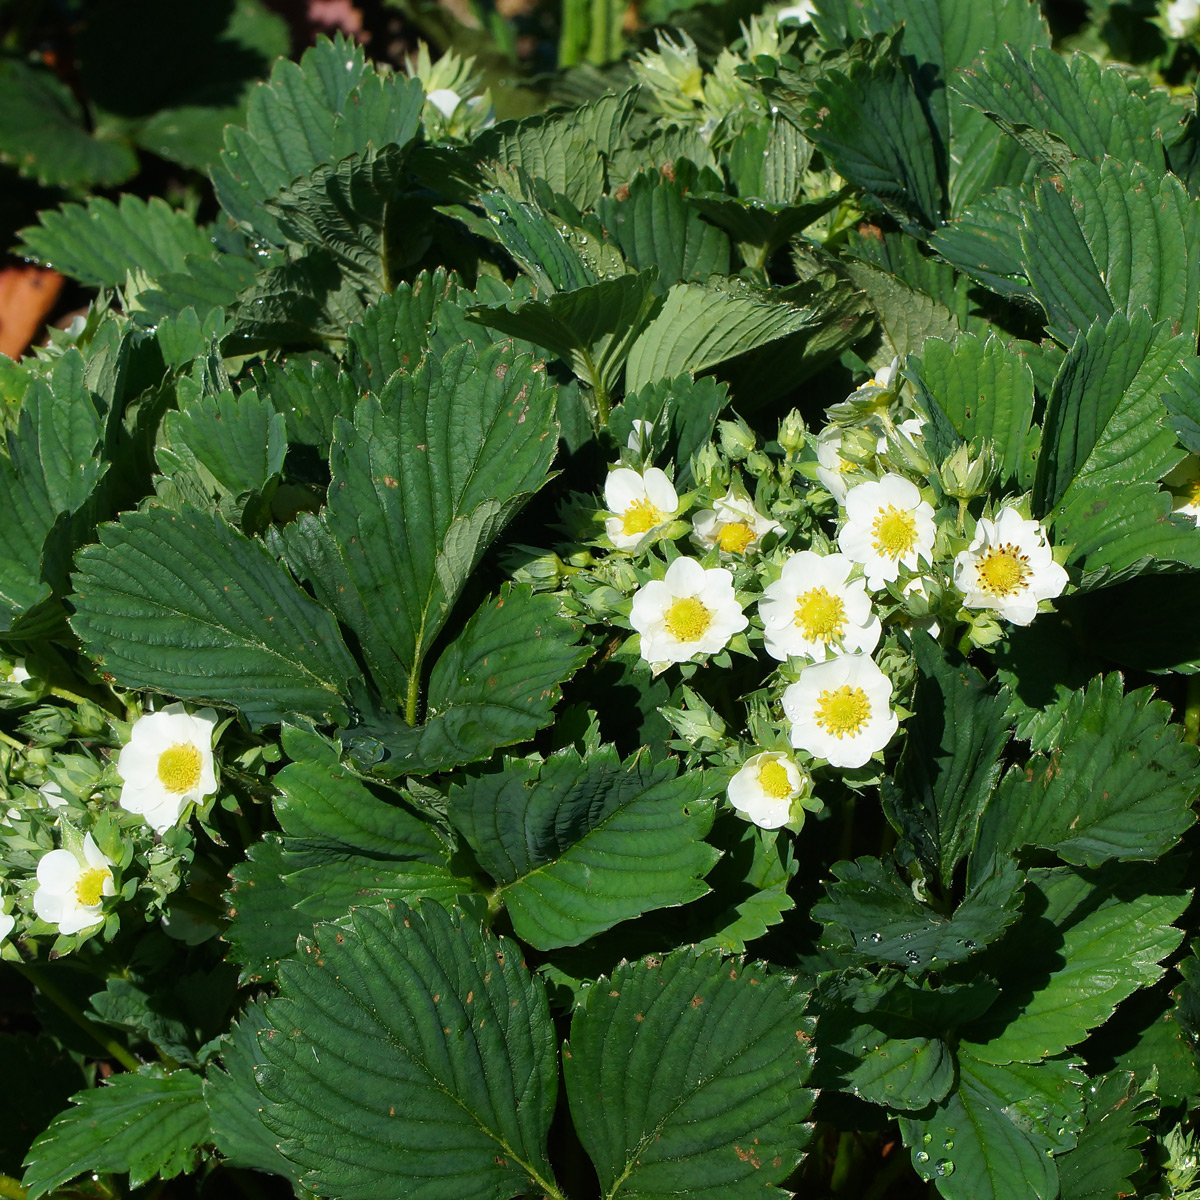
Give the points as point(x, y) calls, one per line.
point(457, 1101)
point(496, 684)
point(1086, 940)
point(310, 392)
point(1119, 783)
point(686, 1073)
point(447, 454)
point(577, 845)
point(886, 923)
point(150, 1125)
point(907, 317)
point(182, 602)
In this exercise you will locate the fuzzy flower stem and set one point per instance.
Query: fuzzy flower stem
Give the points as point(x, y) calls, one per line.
point(114, 706)
point(12, 1189)
point(12, 741)
point(59, 999)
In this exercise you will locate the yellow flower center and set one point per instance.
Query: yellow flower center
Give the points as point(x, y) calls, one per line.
point(641, 517)
point(843, 711)
point(773, 779)
point(820, 616)
point(1192, 491)
point(735, 537)
point(179, 768)
point(687, 619)
point(89, 887)
point(895, 531)
point(1003, 570)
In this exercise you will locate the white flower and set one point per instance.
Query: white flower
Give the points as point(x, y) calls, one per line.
point(689, 611)
point(734, 525)
point(1008, 567)
point(909, 430)
point(641, 504)
point(831, 466)
point(802, 12)
point(52, 794)
point(7, 921)
point(919, 586)
point(639, 437)
point(840, 710)
point(445, 101)
point(887, 526)
point(810, 611)
point(1184, 482)
point(71, 890)
point(167, 764)
point(1181, 16)
point(19, 673)
point(765, 786)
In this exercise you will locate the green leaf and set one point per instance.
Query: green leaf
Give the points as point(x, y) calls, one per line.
point(239, 440)
point(150, 1125)
point(1105, 421)
point(328, 106)
point(44, 134)
point(886, 923)
point(1112, 238)
point(311, 393)
point(496, 684)
point(1182, 398)
point(52, 468)
point(888, 1041)
point(1106, 1155)
point(448, 454)
point(577, 845)
point(984, 242)
point(1118, 784)
point(101, 242)
point(700, 326)
point(539, 245)
point(683, 413)
point(686, 1074)
point(591, 328)
point(1121, 530)
point(907, 317)
point(183, 603)
point(656, 227)
point(235, 1103)
point(992, 1138)
point(1086, 940)
point(1060, 107)
point(951, 760)
point(457, 1101)
point(987, 391)
point(869, 122)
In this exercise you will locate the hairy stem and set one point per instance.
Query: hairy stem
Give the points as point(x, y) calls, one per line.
point(60, 1000)
point(1191, 712)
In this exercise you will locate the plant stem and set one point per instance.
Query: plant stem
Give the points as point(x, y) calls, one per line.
point(12, 741)
point(60, 1000)
point(1191, 713)
point(11, 1189)
point(843, 1163)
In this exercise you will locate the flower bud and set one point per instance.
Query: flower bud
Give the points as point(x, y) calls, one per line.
point(968, 471)
point(707, 467)
point(792, 434)
point(696, 722)
point(737, 440)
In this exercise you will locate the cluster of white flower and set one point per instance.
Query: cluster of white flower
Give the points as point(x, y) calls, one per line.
point(165, 766)
point(900, 556)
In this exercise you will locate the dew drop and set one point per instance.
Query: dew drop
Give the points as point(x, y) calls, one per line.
point(943, 1167)
point(912, 956)
point(927, 1138)
point(921, 1156)
point(948, 1144)
point(875, 938)
point(970, 945)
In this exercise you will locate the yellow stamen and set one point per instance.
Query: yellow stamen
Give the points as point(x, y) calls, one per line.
point(179, 768)
point(1003, 570)
point(820, 616)
point(735, 537)
point(89, 887)
point(773, 779)
point(687, 620)
point(895, 531)
point(843, 711)
point(1192, 491)
point(641, 517)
